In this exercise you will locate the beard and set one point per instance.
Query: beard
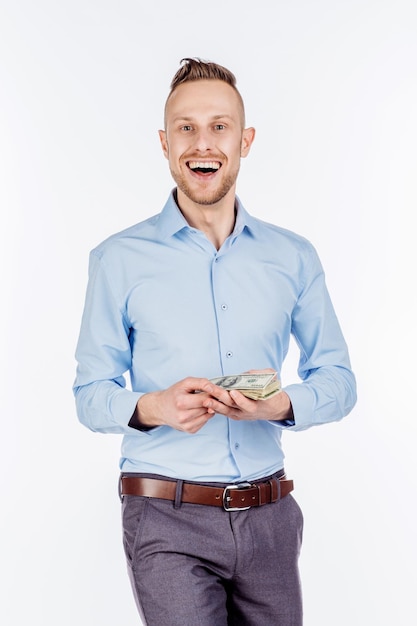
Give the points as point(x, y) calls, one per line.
point(205, 196)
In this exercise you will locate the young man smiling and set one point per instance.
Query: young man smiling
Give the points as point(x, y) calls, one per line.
point(211, 532)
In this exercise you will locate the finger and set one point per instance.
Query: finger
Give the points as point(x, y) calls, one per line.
point(242, 402)
point(220, 407)
point(218, 393)
point(267, 370)
point(192, 384)
point(197, 423)
point(191, 415)
point(196, 401)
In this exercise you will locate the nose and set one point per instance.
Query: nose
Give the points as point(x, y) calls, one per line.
point(203, 141)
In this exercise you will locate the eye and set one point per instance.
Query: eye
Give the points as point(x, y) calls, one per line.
point(186, 127)
point(219, 127)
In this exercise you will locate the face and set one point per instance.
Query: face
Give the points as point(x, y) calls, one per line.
point(204, 140)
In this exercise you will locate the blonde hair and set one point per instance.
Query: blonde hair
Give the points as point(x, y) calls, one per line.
point(193, 69)
point(196, 69)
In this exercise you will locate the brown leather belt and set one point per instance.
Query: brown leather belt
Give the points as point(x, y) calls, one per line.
point(232, 497)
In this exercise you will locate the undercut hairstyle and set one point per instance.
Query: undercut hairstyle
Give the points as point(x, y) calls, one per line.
point(194, 69)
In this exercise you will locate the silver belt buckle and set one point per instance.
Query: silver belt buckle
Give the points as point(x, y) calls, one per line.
point(227, 497)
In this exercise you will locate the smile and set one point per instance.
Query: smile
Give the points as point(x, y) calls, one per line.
point(204, 167)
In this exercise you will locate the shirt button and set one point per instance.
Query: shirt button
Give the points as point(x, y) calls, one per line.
point(236, 446)
point(229, 354)
point(224, 307)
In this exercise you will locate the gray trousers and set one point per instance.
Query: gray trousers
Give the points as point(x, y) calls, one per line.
point(196, 565)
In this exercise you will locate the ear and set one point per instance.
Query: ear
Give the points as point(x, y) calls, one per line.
point(248, 136)
point(164, 142)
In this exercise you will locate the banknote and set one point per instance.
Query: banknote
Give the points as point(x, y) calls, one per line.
point(254, 386)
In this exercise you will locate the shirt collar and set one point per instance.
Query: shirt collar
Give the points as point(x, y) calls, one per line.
point(171, 220)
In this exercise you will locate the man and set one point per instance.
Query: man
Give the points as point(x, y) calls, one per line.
point(202, 290)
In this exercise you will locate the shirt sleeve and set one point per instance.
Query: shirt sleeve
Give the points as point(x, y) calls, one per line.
point(103, 353)
point(328, 389)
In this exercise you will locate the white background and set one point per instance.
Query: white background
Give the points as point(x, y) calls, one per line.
point(331, 88)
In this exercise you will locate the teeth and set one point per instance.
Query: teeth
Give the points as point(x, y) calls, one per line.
point(204, 165)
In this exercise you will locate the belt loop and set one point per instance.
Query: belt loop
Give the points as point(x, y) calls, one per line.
point(260, 494)
point(120, 488)
point(269, 498)
point(264, 493)
point(178, 494)
point(275, 486)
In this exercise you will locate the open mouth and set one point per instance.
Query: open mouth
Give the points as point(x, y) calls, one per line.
point(204, 167)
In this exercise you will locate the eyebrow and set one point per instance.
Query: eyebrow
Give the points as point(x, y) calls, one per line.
point(186, 118)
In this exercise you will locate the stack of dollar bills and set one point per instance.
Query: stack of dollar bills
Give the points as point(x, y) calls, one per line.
point(253, 386)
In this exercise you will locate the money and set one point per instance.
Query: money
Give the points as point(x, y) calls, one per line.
point(253, 386)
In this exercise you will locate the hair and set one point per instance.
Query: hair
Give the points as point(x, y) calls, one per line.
point(194, 69)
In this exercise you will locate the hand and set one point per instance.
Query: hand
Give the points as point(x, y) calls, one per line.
point(178, 406)
point(235, 405)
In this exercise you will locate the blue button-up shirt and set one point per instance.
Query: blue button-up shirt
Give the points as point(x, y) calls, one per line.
point(163, 304)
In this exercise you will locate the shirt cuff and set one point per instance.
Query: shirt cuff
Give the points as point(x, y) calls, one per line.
point(302, 402)
point(135, 423)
